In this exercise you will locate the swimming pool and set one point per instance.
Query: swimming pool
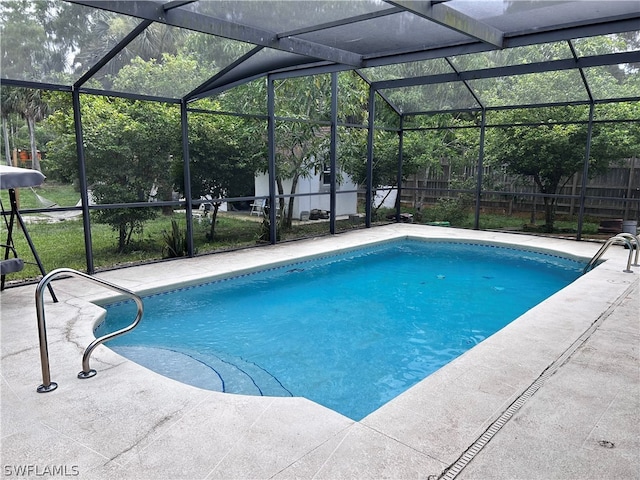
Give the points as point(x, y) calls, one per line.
point(350, 330)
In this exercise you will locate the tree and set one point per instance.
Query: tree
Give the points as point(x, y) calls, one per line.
point(38, 38)
point(24, 38)
point(29, 104)
point(8, 110)
point(128, 146)
point(427, 151)
point(352, 149)
point(222, 158)
point(299, 144)
point(62, 161)
point(138, 139)
point(552, 153)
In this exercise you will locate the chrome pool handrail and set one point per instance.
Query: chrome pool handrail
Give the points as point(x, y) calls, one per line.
point(633, 238)
point(47, 384)
point(624, 237)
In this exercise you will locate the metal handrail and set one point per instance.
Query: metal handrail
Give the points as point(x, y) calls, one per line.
point(47, 384)
point(624, 237)
point(635, 238)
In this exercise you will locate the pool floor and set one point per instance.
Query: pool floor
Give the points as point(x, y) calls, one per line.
point(128, 422)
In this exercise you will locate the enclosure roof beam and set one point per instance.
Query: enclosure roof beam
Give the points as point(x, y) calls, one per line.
point(212, 81)
point(446, 16)
point(601, 26)
point(511, 40)
point(130, 96)
point(585, 82)
point(9, 82)
point(176, 3)
point(113, 52)
point(523, 69)
point(152, 10)
point(341, 22)
point(466, 84)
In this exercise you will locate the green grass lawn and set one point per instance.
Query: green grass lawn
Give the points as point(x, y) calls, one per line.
point(61, 243)
point(64, 195)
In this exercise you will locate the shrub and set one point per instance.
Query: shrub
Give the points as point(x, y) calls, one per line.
point(452, 210)
point(175, 242)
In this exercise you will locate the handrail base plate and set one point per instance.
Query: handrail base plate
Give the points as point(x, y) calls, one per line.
point(47, 388)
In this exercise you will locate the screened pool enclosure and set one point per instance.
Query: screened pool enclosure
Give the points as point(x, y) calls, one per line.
point(185, 127)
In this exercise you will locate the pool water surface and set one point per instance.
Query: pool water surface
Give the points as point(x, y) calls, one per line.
point(349, 331)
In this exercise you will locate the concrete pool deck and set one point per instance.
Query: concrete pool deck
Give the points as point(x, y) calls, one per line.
point(555, 394)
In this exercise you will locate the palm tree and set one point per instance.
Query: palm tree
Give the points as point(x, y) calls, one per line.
point(105, 32)
point(35, 110)
point(10, 108)
point(7, 111)
point(29, 104)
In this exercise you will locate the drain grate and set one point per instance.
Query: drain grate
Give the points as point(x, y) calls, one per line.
point(453, 471)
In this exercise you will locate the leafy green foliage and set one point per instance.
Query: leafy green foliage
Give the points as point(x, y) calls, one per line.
point(134, 153)
point(554, 151)
point(158, 78)
point(224, 154)
point(452, 210)
point(128, 147)
point(176, 244)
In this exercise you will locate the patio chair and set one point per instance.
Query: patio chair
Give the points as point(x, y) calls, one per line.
point(257, 207)
point(205, 207)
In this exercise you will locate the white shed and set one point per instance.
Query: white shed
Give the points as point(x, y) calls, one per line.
point(346, 203)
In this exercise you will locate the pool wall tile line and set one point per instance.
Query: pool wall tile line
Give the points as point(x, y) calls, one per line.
point(343, 253)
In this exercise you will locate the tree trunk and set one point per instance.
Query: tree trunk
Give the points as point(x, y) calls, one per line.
point(549, 203)
point(280, 204)
point(35, 163)
point(122, 237)
point(376, 208)
point(549, 214)
point(7, 148)
point(214, 216)
point(129, 234)
point(289, 217)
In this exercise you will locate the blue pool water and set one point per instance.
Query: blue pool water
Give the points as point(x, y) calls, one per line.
point(349, 331)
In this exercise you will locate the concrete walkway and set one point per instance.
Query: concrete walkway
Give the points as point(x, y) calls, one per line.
point(584, 421)
point(555, 394)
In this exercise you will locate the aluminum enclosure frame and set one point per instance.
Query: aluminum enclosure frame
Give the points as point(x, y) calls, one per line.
point(316, 58)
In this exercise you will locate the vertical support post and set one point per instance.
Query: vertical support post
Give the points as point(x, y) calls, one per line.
point(333, 152)
point(82, 176)
point(184, 124)
point(400, 163)
point(476, 222)
point(271, 136)
point(585, 173)
point(627, 205)
point(369, 180)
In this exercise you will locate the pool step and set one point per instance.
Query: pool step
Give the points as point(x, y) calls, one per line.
point(220, 373)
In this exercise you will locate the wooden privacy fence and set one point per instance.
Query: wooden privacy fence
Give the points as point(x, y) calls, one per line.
point(606, 194)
